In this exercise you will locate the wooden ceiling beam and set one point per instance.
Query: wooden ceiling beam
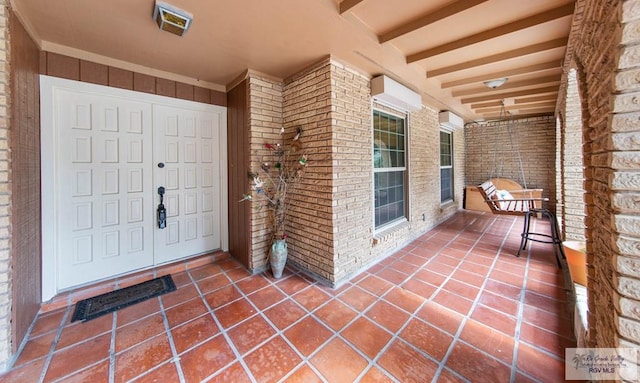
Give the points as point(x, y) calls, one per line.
point(519, 116)
point(504, 73)
point(527, 100)
point(539, 110)
point(516, 107)
point(346, 5)
point(502, 30)
point(531, 49)
point(551, 97)
point(503, 95)
point(485, 104)
point(423, 21)
point(512, 85)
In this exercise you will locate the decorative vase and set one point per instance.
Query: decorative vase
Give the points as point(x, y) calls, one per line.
point(574, 251)
point(278, 257)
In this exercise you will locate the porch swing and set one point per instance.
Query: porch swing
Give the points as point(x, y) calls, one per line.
point(523, 201)
point(503, 195)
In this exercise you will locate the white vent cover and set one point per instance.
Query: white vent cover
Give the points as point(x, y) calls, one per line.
point(450, 120)
point(171, 19)
point(395, 94)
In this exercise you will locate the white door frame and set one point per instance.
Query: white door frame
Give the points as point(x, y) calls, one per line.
point(48, 141)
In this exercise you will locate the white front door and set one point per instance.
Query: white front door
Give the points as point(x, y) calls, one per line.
point(101, 148)
point(187, 159)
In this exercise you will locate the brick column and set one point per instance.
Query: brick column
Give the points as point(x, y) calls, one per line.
point(606, 50)
point(265, 120)
point(573, 212)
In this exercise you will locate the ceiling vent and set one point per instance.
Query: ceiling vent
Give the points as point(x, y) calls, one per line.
point(450, 120)
point(171, 19)
point(395, 94)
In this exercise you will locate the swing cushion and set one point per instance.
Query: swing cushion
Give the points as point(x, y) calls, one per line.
point(504, 195)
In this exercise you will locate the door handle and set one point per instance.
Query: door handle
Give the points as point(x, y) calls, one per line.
point(162, 212)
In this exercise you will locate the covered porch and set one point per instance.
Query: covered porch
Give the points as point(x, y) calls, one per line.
point(453, 305)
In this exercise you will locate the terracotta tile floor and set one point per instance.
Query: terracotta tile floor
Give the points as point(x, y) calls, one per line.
point(454, 305)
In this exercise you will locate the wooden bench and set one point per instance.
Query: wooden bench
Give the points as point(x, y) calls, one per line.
point(513, 202)
point(499, 204)
point(473, 200)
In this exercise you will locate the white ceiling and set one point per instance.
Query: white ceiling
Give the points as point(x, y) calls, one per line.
point(442, 49)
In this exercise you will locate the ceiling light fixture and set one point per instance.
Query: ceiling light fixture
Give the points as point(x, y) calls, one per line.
point(171, 19)
point(493, 84)
point(510, 101)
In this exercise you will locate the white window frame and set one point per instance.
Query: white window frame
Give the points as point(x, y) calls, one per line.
point(404, 116)
point(452, 183)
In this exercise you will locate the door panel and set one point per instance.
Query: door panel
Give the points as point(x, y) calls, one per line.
point(103, 189)
point(183, 142)
point(100, 181)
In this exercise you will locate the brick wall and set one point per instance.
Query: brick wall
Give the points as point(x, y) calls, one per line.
point(307, 105)
point(559, 172)
point(265, 120)
point(5, 190)
point(572, 175)
point(622, 156)
point(331, 235)
point(331, 103)
point(426, 211)
point(352, 147)
point(535, 139)
point(604, 48)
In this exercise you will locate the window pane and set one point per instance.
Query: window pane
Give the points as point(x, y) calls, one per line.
point(400, 159)
point(445, 149)
point(389, 140)
point(389, 197)
point(400, 126)
point(446, 192)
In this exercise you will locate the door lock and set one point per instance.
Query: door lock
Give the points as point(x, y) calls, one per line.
point(162, 212)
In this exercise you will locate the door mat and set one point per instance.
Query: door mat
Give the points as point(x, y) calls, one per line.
point(91, 308)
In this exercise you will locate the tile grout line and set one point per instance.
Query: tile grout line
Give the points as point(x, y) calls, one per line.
point(54, 344)
point(312, 313)
point(396, 335)
point(27, 337)
point(475, 303)
point(371, 362)
point(25, 340)
point(519, 319)
point(210, 311)
point(278, 332)
point(429, 299)
point(112, 348)
point(308, 313)
point(336, 334)
point(455, 337)
point(223, 331)
point(172, 344)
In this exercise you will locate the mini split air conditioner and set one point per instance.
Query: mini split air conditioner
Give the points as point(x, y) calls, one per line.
point(395, 94)
point(450, 120)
